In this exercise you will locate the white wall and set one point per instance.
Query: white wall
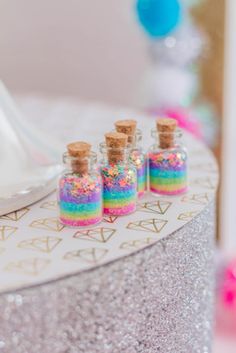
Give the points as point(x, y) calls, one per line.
point(228, 210)
point(89, 48)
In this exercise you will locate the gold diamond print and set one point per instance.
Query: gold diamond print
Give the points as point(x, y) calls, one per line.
point(159, 207)
point(91, 255)
point(110, 219)
point(43, 244)
point(206, 167)
point(6, 232)
point(136, 244)
point(15, 216)
point(101, 235)
point(48, 224)
point(32, 267)
point(197, 152)
point(206, 183)
point(199, 199)
point(187, 216)
point(152, 225)
point(49, 205)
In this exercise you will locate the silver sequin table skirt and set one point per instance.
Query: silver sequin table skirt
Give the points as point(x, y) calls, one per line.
point(156, 300)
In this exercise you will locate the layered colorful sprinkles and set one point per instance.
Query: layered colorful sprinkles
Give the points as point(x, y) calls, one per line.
point(138, 159)
point(80, 200)
point(168, 171)
point(119, 189)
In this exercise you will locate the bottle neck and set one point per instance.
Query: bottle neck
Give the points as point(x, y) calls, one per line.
point(167, 140)
point(134, 141)
point(137, 139)
point(115, 156)
point(80, 165)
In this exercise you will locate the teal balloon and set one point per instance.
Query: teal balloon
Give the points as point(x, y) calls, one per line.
point(159, 17)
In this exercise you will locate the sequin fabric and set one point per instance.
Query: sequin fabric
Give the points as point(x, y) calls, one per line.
point(157, 300)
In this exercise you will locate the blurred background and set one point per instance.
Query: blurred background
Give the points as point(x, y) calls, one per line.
point(172, 57)
point(89, 49)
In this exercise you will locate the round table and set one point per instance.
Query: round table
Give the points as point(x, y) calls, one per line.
point(140, 283)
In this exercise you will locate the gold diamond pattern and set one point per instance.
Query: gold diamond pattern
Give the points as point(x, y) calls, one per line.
point(205, 183)
point(109, 219)
point(101, 235)
point(15, 216)
point(90, 255)
point(206, 167)
point(158, 207)
point(48, 224)
point(6, 232)
point(50, 251)
point(136, 244)
point(187, 216)
point(32, 267)
point(199, 199)
point(197, 152)
point(42, 244)
point(49, 205)
point(152, 225)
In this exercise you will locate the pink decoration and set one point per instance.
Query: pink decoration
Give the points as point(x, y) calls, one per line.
point(229, 285)
point(184, 117)
point(226, 302)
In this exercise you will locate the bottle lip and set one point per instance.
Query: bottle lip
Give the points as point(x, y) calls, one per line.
point(138, 132)
point(104, 148)
point(178, 133)
point(137, 136)
point(92, 157)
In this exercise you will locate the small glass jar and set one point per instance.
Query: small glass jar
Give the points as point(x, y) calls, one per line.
point(138, 159)
point(167, 166)
point(80, 192)
point(119, 181)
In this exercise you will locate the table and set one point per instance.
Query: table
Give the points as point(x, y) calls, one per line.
point(141, 283)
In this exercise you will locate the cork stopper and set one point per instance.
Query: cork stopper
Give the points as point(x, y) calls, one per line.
point(116, 142)
point(166, 128)
point(79, 151)
point(127, 127)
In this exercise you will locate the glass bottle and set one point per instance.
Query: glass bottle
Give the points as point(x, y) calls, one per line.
point(80, 191)
point(167, 164)
point(119, 181)
point(138, 159)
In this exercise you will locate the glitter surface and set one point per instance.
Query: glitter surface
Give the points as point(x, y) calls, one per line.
point(168, 171)
point(159, 299)
point(139, 161)
point(80, 200)
point(119, 189)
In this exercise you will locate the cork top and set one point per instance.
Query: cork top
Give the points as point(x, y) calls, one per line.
point(79, 151)
point(116, 142)
point(127, 127)
point(116, 139)
point(166, 128)
point(166, 125)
